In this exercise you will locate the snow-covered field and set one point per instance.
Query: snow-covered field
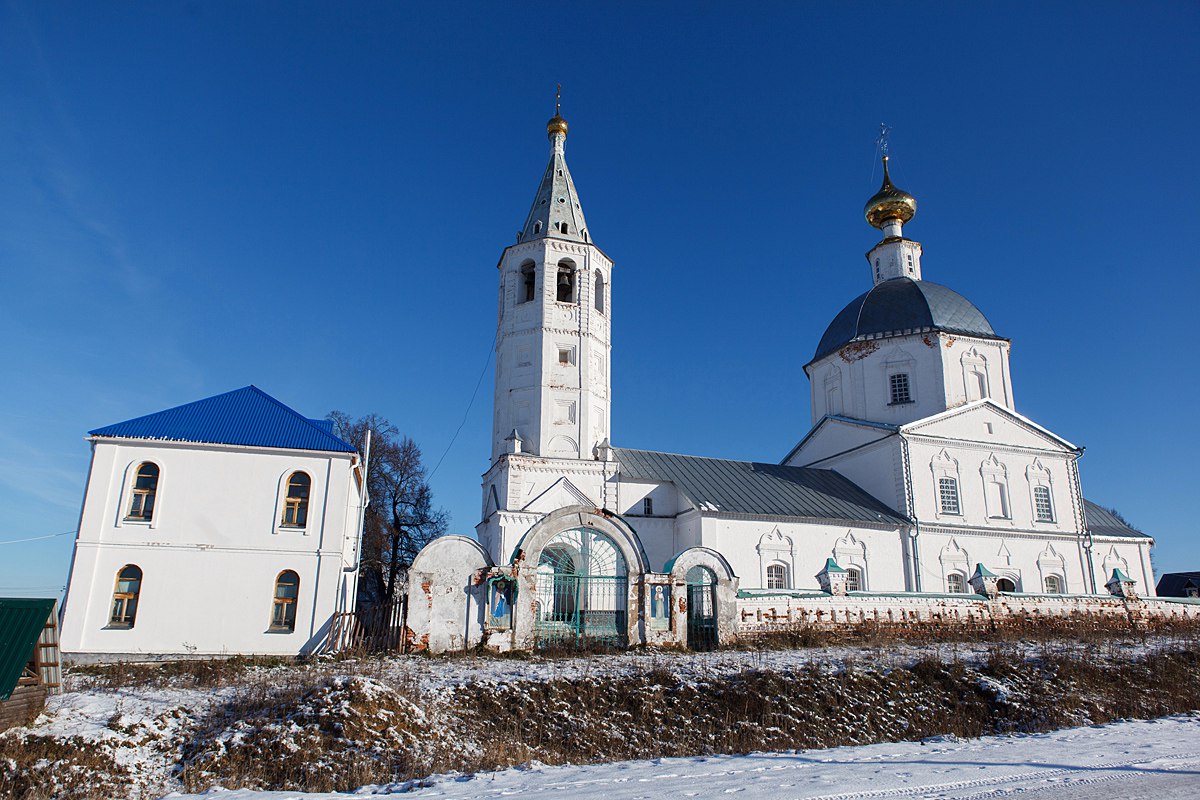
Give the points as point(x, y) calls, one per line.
point(1152, 760)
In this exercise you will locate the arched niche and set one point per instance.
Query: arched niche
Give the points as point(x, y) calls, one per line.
point(724, 593)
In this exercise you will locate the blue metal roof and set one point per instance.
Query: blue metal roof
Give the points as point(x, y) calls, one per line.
point(247, 416)
point(900, 306)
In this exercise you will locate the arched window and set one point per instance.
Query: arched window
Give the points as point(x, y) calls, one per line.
point(1042, 507)
point(1054, 584)
point(948, 495)
point(283, 610)
point(125, 596)
point(145, 486)
point(777, 576)
point(854, 582)
point(599, 292)
point(528, 282)
point(955, 583)
point(1005, 585)
point(295, 506)
point(565, 283)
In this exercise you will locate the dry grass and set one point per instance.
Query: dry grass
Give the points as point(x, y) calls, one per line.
point(42, 768)
point(335, 726)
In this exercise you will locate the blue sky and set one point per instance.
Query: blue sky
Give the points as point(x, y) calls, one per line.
point(312, 198)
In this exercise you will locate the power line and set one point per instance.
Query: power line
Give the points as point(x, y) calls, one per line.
point(467, 413)
point(37, 538)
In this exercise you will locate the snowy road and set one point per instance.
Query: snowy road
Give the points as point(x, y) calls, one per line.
point(1156, 760)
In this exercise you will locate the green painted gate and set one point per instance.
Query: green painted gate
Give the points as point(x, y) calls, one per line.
point(582, 592)
point(701, 609)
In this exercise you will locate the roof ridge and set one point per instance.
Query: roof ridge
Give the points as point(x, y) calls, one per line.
point(296, 414)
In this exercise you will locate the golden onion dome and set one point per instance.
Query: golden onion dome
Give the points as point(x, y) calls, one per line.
point(556, 125)
point(889, 203)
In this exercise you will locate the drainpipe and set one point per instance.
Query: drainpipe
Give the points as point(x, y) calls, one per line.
point(910, 507)
point(364, 500)
point(1086, 533)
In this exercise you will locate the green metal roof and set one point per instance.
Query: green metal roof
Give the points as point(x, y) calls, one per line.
point(21, 623)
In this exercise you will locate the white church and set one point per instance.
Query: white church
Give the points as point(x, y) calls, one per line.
point(919, 486)
point(232, 525)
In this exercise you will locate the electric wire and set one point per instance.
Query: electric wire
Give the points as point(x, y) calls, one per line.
point(37, 538)
point(467, 413)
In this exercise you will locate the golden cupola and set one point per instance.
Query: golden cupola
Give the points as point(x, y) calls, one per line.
point(889, 203)
point(556, 125)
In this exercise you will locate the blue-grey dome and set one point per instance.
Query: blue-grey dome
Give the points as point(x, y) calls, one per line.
point(901, 306)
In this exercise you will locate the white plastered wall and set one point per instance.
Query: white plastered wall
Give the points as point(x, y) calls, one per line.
point(211, 554)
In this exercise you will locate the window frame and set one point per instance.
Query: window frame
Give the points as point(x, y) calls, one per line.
point(138, 495)
point(951, 482)
point(1058, 581)
point(962, 583)
point(900, 394)
point(127, 599)
point(297, 510)
point(782, 575)
point(285, 603)
point(855, 580)
point(1038, 490)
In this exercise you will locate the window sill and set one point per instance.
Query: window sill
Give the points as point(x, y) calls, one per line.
point(147, 521)
point(903, 403)
point(280, 630)
point(111, 627)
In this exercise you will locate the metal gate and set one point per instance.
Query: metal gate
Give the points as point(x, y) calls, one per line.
point(582, 592)
point(701, 609)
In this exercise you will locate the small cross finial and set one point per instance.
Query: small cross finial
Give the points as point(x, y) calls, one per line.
point(882, 141)
point(558, 100)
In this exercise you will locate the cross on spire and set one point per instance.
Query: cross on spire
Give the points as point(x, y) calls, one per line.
point(558, 101)
point(882, 140)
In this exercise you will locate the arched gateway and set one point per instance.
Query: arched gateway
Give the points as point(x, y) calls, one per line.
point(582, 591)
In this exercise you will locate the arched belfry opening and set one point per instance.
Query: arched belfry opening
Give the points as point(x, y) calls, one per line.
point(582, 591)
point(566, 281)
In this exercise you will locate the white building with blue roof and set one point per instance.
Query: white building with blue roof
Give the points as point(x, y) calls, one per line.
point(227, 525)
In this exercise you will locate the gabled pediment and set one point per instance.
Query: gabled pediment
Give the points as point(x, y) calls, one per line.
point(560, 494)
point(987, 422)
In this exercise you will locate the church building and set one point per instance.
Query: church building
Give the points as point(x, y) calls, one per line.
point(228, 525)
point(918, 480)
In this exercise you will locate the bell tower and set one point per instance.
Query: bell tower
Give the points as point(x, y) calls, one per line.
point(553, 339)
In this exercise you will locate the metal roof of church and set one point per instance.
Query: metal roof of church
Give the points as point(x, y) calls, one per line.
point(747, 487)
point(556, 203)
point(899, 306)
point(1102, 522)
point(247, 416)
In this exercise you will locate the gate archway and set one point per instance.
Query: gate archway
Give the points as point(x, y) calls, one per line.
point(582, 591)
point(701, 608)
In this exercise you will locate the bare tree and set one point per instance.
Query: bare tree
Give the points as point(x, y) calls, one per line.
point(401, 518)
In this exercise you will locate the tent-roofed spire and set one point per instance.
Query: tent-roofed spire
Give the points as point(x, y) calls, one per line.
point(556, 210)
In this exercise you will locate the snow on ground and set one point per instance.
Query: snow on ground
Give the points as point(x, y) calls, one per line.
point(433, 674)
point(1142, 760)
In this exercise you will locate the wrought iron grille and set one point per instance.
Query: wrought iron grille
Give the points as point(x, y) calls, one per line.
point(582, 592)
point(701, 609)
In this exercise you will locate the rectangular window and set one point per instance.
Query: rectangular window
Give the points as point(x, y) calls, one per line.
point(648, 506)
point(948, 495)
point(954, 583)
point(898, 383)
point(1041, 503)
point(566, 356)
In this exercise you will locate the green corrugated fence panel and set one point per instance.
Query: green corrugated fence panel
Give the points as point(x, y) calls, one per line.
point(21, 623)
